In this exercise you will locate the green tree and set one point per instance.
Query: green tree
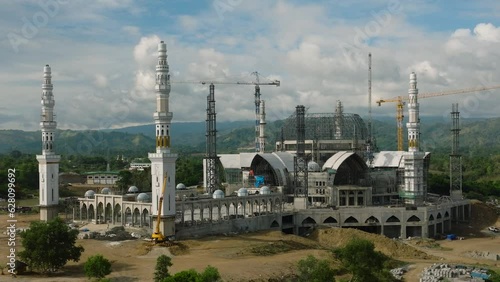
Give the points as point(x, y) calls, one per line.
point(190, 275)
point(163, 262)
point(363, 262)
point(48, 246)
point(97, 266)
point(315, 270)
point(210, 274)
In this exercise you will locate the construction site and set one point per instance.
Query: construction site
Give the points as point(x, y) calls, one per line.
point(325, 171)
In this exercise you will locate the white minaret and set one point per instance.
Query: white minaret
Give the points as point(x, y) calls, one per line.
point(48, 161)
point(163, 161)
point(262, 126)
point(413, 193)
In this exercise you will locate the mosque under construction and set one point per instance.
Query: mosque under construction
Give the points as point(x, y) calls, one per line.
point(320, 173)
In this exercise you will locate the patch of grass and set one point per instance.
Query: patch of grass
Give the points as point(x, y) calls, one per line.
point(277, 247)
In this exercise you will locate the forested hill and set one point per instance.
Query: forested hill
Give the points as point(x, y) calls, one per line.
point(478, 137)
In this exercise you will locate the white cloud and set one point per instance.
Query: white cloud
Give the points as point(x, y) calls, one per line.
point(132, 30)
point(188, 23)
point(487, 32)
point(104, 72)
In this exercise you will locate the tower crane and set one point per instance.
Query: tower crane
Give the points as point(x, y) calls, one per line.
point(211, 149)
point(401, 101)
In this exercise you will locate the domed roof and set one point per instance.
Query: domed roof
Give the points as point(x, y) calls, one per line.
point(265, 190)
point(143, 197)
point(89, 194)
point(218, 194)
point(180, 186)
point(133, 189)
point(313, 166)
point(106, 190)
point(242, 192)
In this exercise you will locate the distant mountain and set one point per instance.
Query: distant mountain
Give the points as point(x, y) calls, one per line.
point(477, 137)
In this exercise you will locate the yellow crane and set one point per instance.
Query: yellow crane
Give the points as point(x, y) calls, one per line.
point(157, 236)
point(401, 101)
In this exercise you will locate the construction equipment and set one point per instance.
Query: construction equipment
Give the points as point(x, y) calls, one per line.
point(157, 236)
point(401, 101)
point(211, 154)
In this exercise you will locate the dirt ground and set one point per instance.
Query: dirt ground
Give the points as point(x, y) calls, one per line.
point(249, 257)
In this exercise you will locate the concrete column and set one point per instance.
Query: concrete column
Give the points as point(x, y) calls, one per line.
point(182, 210)
point(192, 213)
point(382, 229)
point(403, 230)
point(202, 210)
point(424, 230)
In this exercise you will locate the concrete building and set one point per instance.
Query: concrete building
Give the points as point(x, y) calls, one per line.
point(102, 177)
point(385, 195)
point(48, 161)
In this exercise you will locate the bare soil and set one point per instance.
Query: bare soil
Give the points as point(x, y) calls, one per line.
point(264, 255)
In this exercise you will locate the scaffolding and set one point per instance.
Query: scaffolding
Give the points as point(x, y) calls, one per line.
point(322, 126)
point(300, 160)
point(455, 156)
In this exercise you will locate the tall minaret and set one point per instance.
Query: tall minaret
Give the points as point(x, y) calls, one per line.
point(413, 193)
point(163, 161)
point(48, 161)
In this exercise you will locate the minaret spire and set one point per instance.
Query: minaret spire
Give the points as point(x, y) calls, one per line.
point(48, 161)
point(413, 112)
point(47, 122)
point(162, 116)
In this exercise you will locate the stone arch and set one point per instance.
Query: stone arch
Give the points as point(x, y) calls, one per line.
point(372, 220)
point(128, 216)
point(351, 219)
point(117, 213)
point(84, 212)
point(91, 212)
point(136, 217)
point(145, 217)
point(439, 215)
point(446, 214)
point(308, 220)
point(100, 213)
point(393, 218)
point(108, 212)
point(413, 218)
point(330, 220)
point(275, 224)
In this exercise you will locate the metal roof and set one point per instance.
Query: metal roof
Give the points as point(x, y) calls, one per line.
point(388, 159)
point(238, 161)
point(336, 160)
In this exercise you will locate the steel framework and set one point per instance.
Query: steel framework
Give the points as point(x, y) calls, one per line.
point(455, 156)
point(322, 126)
point(300, 160)
point(211, 150)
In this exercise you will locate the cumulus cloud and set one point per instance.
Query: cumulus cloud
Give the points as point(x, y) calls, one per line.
point(311, 47)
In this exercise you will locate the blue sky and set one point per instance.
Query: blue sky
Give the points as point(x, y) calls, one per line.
point(102, 55)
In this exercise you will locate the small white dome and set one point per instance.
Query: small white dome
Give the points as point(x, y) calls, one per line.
point(265, 190)
point(89, 194)
point(313, 166)
point(106, 190)
point(133, 189)
point(242, 192)
point(143, 198)
point(180, 186)
point(218, 194)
